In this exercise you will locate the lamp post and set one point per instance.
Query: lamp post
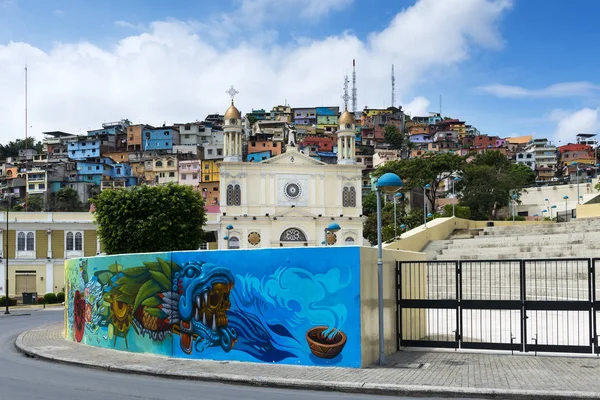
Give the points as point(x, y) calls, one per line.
point(7, 198)
point(402, 228)
point(388, 183)
point(453, 193)
point(333, 228)
point(515, 197)
point(577, 172)
point(425, 203)
point(566, 198)
point(229, 228)
point(396, 197)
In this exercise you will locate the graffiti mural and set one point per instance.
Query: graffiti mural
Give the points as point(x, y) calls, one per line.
point(291, 305)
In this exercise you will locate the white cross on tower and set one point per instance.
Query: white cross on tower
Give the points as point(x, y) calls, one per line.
point(231, 92)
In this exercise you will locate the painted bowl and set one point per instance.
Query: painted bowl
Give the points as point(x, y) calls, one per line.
point(322, 346)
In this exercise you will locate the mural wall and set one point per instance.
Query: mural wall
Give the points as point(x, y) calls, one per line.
point(289, 305)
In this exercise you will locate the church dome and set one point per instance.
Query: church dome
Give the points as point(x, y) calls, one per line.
point(346, 118)
point(232, 113)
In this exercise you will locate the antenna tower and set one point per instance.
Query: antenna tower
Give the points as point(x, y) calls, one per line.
point(354, 98)
point(345, 96)
point(393, 87)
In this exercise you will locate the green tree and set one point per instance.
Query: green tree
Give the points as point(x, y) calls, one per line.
point(66, 199)
point(369, 203)
point(394, 137)
point(12, 148)
point(35, 203)
point(430, 169)
point(150, 219)
point(488, 182)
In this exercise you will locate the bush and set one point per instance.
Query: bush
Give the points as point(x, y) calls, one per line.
point(60, 297)
point(459, 211)
point(11, 302)
point(50, 298)
point(517, 218)
point(41, 300)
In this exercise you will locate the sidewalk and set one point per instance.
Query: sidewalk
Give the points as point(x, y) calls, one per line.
point(28, 309)
point(408, 373)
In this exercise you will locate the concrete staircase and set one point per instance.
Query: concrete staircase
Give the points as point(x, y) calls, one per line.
point(578, 238)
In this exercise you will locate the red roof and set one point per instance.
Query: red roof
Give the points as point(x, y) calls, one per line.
point(574, 147)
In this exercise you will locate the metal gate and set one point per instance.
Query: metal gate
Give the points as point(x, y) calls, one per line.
point(519, 305)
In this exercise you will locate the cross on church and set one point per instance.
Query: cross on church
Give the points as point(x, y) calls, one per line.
point(345, 97)
point(231, 92)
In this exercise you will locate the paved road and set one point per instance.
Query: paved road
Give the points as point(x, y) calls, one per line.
point(26, 378)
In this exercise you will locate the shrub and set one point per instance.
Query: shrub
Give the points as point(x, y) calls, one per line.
point(60, 297)
point(41, 300)
point(459, 211)
point(50, 298)
point(11, 302)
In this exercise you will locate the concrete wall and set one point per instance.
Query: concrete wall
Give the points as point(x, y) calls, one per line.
point(533, 199)
point(588, 210)
point(266, 305)
point(369, 312)
point(441, 228)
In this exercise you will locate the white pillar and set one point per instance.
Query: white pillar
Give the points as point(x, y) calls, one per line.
point(339, 150)
point(49, 253)
point(49, 277)
point(97, 244)
point(2, 278)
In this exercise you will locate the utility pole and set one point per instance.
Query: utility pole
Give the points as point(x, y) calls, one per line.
point(354, 95)
point(345, 96)
point(393, 87)
point(26, 130)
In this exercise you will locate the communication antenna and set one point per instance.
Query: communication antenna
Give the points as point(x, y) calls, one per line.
point(393, 87)
point(345, 96)
point(354, 97)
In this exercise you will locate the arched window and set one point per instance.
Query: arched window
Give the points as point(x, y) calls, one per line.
point(78, 241)
point(234, 195)
point(170, 163)
point(349, 197)
point(21, 241)
point(70, 241)
point(349, 241)
point(30, 241)
point(159, 164)
point(292, 235)
point(234, 243)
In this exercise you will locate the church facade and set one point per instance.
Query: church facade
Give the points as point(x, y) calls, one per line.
point(290, 199)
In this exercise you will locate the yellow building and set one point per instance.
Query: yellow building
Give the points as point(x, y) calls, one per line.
point(36, 246)
point(210, 171)
point(161, 170)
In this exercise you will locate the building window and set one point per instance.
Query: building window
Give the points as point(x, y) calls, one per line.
point(219, 152)
point(31, 186)
point(158, 164)
point(42, 186)
point(206, 166)
point(183, 177)
point(194, 176)
point(349, 197)
point(349, 241)
point(206, 177)
point(233, 243)
point(171, 174)
point(292, 235)
point(26, 244)
point(170, 163)
point(73, 243)
point(234, 195)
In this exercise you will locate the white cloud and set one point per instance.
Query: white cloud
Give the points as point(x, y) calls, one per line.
point(58, 13)
point(570, 123)
point(419, 106)
point(129, 25)
point(173, 71)
point(565, 89)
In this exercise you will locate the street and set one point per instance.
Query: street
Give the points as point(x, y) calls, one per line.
point(32, 379)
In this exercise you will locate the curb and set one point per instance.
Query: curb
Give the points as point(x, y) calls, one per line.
point(303, 384)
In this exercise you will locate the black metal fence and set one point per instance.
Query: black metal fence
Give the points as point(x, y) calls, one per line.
point(548, 305)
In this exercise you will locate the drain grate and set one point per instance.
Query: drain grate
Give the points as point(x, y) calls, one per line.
point(410, 365)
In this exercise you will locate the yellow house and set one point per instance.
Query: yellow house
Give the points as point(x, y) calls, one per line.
point(210, 171)
point(35, 245)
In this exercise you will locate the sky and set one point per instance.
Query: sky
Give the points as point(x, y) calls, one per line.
point(507, 67)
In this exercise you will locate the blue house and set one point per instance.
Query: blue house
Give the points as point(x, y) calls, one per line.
point(122, 172)
point(260, 156)
point(84, 149)
point(159, 138)
point(95, 171)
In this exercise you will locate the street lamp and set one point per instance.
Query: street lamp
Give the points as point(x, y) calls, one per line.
point(333, 228)
point(425, 204)
point(402, 228)
point(515, 197)
point(396, 197)
point(7, 198)
point(577, 172)
point(389, 183)
point(566, 198)
point(229, 228)
point(453, 193)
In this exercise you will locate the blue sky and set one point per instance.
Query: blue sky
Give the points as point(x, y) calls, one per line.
point(508, 67)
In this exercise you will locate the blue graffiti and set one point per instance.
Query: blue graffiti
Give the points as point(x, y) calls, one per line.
point(204, 290)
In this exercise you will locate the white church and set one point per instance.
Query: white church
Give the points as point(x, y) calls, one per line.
point(290, 199)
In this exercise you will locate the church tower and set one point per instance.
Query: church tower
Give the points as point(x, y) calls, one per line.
point(232, 132)
point(346, 139)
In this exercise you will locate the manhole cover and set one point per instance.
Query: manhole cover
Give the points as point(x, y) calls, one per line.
point(410, 365)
